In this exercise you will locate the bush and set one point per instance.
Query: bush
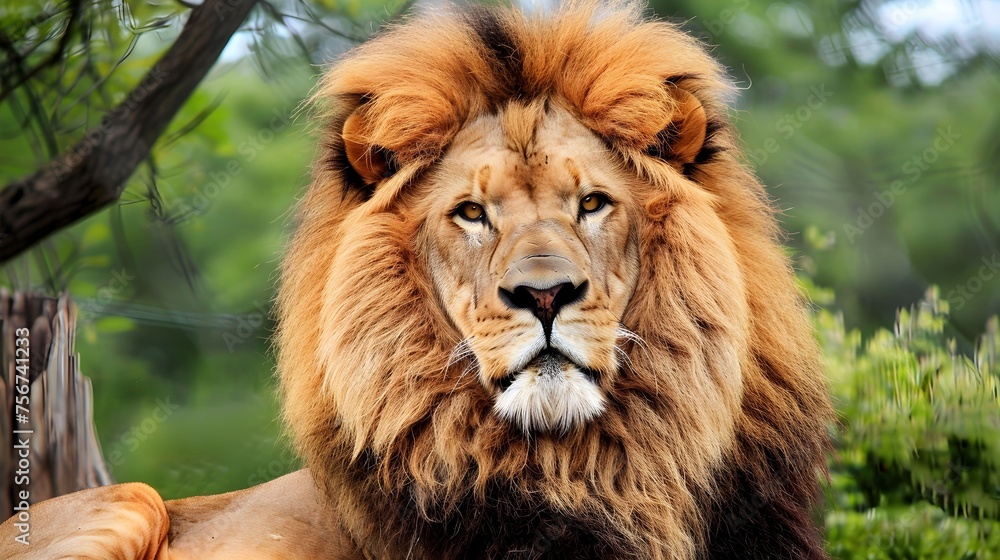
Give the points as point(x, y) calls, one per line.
point(917, 444)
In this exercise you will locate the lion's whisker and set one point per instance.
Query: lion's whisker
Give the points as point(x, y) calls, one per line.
point(623, 332)
point(624, 357)
point(461, 351)
point(466, 371)
point(626, 334)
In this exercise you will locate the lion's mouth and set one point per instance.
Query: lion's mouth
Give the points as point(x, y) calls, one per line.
point(548, 363)
point(552, 393)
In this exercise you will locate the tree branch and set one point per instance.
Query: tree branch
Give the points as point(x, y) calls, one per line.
point(93, 173)
point(17, 61)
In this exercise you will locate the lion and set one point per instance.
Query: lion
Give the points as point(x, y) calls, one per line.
point(535, 306)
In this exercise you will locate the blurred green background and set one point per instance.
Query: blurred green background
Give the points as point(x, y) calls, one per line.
point(874, 124)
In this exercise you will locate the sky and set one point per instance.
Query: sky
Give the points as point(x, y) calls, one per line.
point(965, 27)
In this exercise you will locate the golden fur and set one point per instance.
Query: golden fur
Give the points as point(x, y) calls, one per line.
point(282, 519)
point(724, 395)
point(697, 425)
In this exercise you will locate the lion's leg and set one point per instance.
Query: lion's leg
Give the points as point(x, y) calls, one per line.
point(120, 522)
point(286, 518)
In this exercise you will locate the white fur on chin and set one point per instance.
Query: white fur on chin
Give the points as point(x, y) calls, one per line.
point(546, 400)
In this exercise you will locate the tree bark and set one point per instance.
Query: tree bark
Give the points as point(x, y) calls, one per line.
point(48, 443)
point(93, 173)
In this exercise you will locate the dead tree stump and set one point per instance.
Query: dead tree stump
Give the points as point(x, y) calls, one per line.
point(63, 453)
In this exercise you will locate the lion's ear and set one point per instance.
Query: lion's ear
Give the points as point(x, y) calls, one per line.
point(372, 163)
point(681, 141)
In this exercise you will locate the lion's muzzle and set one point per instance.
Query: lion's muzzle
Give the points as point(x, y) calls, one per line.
point(554, 391)
point(542, 274)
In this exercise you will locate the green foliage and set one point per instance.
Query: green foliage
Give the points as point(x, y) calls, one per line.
point(916, 472)
point(175, 283)
point(65, 64)
point(831, 161)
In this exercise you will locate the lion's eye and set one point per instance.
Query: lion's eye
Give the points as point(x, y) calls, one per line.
point(592, 203)
point(471, 211)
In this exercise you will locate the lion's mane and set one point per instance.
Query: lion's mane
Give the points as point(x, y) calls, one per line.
point(715, 435)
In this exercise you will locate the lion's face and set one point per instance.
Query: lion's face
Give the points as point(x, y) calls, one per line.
point(533, 283)
point(534, 257)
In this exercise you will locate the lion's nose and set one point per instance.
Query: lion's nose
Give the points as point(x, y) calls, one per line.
point(542, 284)
point(545, 303)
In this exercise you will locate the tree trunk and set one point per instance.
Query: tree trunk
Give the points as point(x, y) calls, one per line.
point(47, 439)
point(93, 173)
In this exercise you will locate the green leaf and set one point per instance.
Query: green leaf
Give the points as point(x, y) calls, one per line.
point(111, 325)
point(95, 234)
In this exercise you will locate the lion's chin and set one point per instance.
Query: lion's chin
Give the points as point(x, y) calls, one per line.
point(551, 394)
